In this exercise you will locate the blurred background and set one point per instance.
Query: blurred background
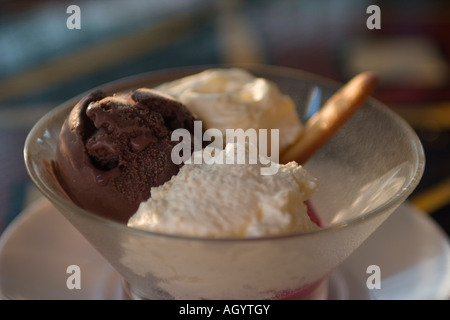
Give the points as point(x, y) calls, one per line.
point(43, 62)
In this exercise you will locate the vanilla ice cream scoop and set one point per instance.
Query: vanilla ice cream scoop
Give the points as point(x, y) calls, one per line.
point(229, 200)
point(235, 99)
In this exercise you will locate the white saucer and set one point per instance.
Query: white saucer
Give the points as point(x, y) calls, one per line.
point(413, 254)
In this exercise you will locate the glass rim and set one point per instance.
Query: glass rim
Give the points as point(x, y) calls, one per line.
point(126, 83)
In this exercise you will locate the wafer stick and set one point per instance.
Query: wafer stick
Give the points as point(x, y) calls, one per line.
point(331, 117)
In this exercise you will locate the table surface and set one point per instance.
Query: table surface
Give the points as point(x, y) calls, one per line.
point(43, 63)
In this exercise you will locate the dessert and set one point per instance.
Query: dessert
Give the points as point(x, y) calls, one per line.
point(229, 200)
point(230, 98)
point(166, 266)
point(115, 155)
point(112, 150)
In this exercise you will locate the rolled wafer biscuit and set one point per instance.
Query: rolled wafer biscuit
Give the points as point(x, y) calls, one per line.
point(331, 117)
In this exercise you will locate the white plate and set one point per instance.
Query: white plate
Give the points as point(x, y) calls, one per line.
point(412, 252)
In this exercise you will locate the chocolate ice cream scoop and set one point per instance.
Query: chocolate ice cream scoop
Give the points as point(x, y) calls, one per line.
point(112, 150)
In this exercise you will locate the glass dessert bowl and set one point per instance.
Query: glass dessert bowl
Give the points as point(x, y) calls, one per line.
point(364, 173)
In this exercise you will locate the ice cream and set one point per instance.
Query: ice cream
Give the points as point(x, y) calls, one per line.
point(234, 199)
point(229, 200)
point(115, 155)
point(230, 98)
point(113, 149)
